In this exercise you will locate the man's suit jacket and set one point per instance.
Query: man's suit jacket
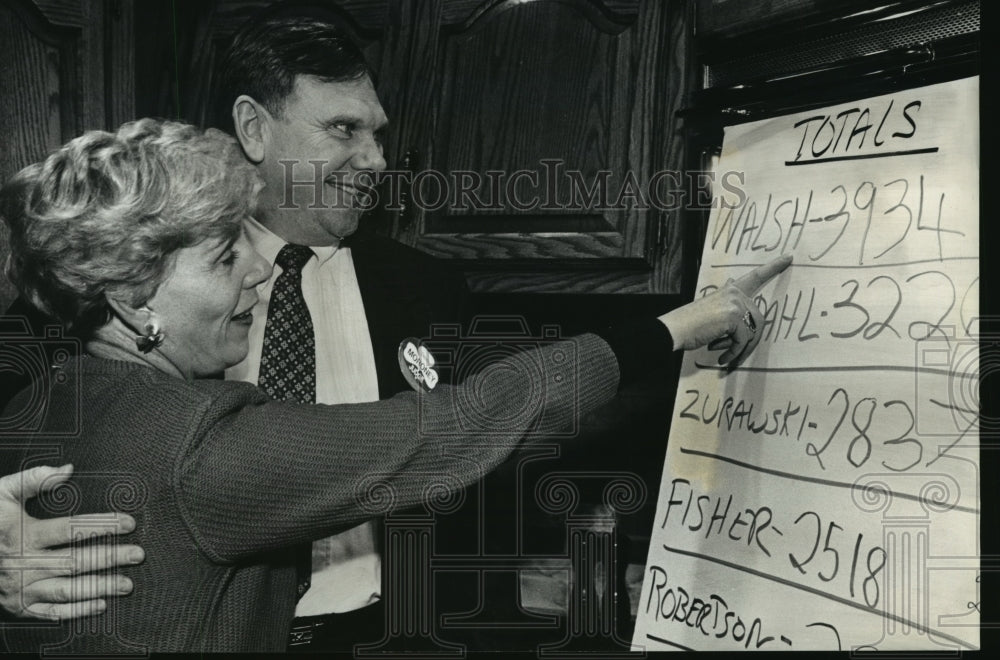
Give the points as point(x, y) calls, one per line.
point(405, 293)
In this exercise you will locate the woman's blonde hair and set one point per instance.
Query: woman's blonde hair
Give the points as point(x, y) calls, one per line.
point(102, 216)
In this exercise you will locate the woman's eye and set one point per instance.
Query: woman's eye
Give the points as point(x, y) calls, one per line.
point(230, 258)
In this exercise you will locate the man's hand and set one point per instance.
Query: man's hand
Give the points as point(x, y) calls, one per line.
point(726, 318)
point(41, 583)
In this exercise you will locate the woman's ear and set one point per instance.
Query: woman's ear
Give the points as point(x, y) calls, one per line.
point(250, 120)
point(136, 317)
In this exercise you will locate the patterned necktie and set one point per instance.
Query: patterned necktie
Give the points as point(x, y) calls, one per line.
point(288, 356)
point(288, 360)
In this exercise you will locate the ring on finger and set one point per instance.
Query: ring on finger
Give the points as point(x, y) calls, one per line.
point(749, 322)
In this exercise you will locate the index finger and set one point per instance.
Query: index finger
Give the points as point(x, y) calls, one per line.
point(28, 483)
point(761, 275)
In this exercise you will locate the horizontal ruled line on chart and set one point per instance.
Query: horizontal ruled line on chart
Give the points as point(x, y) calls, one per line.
point(821, 594)
point(900, 264)
point(887, 154)
point(792, 370)
point(668, 643)
point(815, 480)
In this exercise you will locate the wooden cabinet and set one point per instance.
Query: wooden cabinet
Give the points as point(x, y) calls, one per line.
point(547, 121)
point(67, 68)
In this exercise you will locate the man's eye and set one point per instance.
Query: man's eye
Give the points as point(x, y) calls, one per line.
point(230, 258)
point(347, 129)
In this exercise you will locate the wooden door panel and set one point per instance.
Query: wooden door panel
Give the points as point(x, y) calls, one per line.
point(523, 85)
point(489, 95)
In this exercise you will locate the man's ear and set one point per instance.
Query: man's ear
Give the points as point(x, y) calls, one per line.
point(250, 120)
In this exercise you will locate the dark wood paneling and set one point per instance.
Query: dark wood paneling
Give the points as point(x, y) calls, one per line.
point(67, 13)
point(67, 68)
point(616, 282)
point(176, 55)
point(675, 66)
point(119, 62)
point(30, 119)
point(34, 104)
point(408, 78)
point(525, 246)
point(466, 12)
point(369, 15)
point(179, 44)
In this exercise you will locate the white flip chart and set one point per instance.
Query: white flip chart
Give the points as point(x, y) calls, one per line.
point(825, 494)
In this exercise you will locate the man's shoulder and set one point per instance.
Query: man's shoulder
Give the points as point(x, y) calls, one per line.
point(387, 259)
point(390, 251)
point(405, 290)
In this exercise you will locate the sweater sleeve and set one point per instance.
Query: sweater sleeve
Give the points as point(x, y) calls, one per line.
point(269, 474)
point(640, 347)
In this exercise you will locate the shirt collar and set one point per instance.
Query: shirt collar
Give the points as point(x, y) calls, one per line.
point(268, 244)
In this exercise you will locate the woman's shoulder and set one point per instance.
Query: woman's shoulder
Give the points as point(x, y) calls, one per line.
point(126, 380)
point(179, 408)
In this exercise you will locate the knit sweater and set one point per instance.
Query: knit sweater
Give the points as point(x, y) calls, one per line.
point(221, 479)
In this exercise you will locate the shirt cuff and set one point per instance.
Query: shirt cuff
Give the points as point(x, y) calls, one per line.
point(640, 347)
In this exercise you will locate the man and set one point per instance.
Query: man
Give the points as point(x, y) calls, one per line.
point(305, 110)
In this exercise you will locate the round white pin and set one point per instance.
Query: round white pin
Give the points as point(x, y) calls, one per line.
point(417, 365)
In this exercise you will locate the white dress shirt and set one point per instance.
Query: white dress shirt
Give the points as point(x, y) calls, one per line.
point(346, 568)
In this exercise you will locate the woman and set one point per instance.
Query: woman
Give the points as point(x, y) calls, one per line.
point(134, 241)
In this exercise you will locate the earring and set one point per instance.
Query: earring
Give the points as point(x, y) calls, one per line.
point(152, 339)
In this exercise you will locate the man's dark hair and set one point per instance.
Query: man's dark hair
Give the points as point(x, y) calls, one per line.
point(272, 48)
